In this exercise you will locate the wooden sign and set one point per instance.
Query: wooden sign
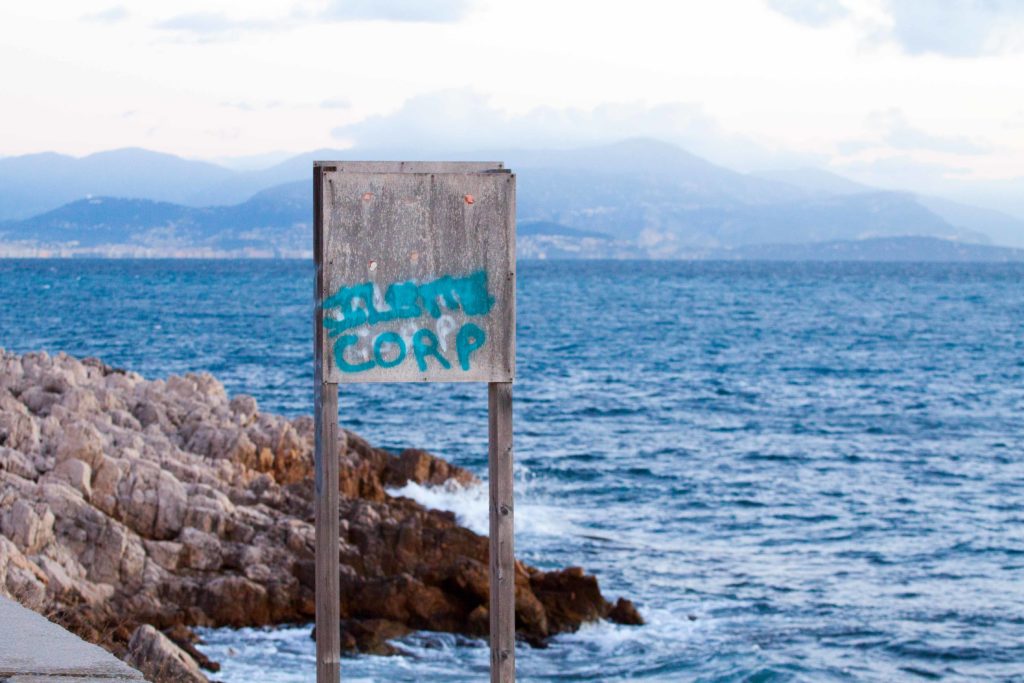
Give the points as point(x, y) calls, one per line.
point(418, 272)
point(415, 282)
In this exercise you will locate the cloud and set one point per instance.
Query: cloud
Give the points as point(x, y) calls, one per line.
point(436, 11)
point(951, 28)
point(898, 133)
point(198, 22)
point(206, 26)
point(335, 103)
point(210, 25)
point(244, 105)
point(111, 15)
point(957, 28)
point(463, 120)
point(814, 13)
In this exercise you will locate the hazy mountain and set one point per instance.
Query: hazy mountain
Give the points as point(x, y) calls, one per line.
point(546, 240)
point(637, 197)
point(534, 228)
point(906, 249)
point(1006, 196)
point(816, 180)
point(1001, 228)
point(244, 184)
point(650, 162)
point(996, 226)
point(35, 183)
point(274, 221)
point(666, 216)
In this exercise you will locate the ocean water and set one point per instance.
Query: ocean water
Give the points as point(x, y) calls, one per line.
point(799, 472)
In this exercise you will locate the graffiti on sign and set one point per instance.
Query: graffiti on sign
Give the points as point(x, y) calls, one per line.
point(353, 316)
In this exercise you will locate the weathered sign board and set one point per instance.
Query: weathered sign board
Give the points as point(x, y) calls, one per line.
point(418, 273)
point(415, 282)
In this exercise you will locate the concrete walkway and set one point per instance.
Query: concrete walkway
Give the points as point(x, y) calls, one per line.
point(34, 650)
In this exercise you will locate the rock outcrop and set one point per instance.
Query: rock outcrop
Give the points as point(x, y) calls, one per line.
point(130, 507)
point(156, 656)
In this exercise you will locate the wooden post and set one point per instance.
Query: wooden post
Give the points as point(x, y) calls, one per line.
point(328, 590)
point(397, 243)
point(502, 548)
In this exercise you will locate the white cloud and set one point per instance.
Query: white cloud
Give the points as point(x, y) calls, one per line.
point(465, 120)
point(898, 133)
point(957, 28)
point(810, 12)
point(208, 26)
point(741, 83)
point(951, 28)
point(335, 103)
point(111, 15)
point(245, 105)
point(435, 11)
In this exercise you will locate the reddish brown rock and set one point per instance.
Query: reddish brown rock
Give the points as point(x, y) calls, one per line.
point(625, 612)
point(127, 503)
point(570, 597)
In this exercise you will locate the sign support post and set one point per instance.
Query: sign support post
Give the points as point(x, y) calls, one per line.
point(415, 282)
point(502, 532)
point(325, 500)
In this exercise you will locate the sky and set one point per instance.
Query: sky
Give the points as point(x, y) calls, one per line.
point(922, 94)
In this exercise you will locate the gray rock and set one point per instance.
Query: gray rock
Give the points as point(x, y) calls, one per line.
point(155, 655)
point(130, 503)
point(201, 550)
point(75, 473)
point(81, 441)
point(18, 429)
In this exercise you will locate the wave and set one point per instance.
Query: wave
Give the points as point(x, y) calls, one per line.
point(470, 506)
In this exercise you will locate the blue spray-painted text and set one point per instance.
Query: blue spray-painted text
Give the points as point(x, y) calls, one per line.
point(358, 305)
point(408, 300)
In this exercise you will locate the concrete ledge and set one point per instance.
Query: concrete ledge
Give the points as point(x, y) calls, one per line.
point(35, 650)
point(60, 678)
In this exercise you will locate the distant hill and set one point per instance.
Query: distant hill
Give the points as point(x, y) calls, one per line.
point(36, 183)
point(988, 224)
point(547, 240)
point(273, 222)
point(816, 180)
point(546, 228)
point(276, 223)
point(636, 198)
point(906, 249)
point(999, 227)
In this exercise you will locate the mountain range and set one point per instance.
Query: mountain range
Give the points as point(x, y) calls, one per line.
point(637, 198)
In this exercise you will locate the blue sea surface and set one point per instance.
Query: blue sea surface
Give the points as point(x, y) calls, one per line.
point(800, 472)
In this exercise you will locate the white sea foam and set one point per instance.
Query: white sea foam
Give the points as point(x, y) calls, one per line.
point(469, 503)
point(599, 651)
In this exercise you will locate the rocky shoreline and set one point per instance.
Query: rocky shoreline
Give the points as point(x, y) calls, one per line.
point(133, 510)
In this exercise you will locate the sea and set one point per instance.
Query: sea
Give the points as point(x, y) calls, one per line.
point(798, 471)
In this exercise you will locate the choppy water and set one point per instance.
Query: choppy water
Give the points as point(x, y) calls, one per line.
point(799, 472)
